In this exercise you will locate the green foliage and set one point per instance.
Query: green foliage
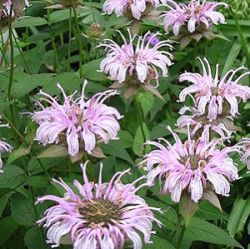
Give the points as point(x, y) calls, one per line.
point(49, 49)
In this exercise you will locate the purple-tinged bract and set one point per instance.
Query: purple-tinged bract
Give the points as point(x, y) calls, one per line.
point(141, 62)
point(214, 96)
point(193, 166)
point(130, 8)
point(100, 216)
point(197, 15)
point(78, 123)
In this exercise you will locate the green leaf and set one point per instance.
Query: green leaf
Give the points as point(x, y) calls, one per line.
point(138, 145)
point(115, 148)
point(20, 152)
point(34, 239)
point(90, 71)
point(234, 52)
point(201, 230)
point(29, 21)
point(159, 243)
point(12, 177)
point(28, 83)
point(7, 227)
point(238, 216)
point(53, 151)
point(69, 82)
point(22, 209)
point(3, 202)
point(146, 100)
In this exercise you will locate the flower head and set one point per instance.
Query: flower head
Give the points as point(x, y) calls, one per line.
point(245, 145)
point(80, 122)
point(132, 63)
point(102, 215)
point(200, 125)
point(214, 96)
point(193, 166)
point(130, 8)
point(4, 147)
point(195, 16)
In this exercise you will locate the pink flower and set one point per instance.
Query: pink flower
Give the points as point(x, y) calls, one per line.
point(136, 8)
point(100, 215)
point(193, 166)
point(81, 122)
point(140, 62)
point(215, 96)
point(7, 5)
point(202, 126)
point(4, 147)
point(191, 16)
point(245, 145)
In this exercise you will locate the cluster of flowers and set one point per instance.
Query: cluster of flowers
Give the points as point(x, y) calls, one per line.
point(108, 215)
point(193, 16)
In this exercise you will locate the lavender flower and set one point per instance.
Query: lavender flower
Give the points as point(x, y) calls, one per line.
point(245, 145)
point(4, 147)
point(214, 96)
point(80, 123)
point(200, 125)
point(194, 166)
point(9, 7)
point(136, 63)
point(102, 215)
point(135, 9)
point(193, 16)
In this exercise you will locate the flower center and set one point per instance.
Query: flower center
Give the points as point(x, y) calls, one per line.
point(99, 211)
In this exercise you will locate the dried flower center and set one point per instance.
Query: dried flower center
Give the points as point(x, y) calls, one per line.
point(99, 211)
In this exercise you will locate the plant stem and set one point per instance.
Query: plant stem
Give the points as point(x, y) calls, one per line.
point(3, 50)
point(69, 44)
point(9, 93)
point(56, 60)
point(141, 118)
point(78, 36)
point(21, 53)
point(183, 229)
point(242, 38)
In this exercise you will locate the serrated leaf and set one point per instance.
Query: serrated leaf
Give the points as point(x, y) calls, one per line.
point(34, 239)
point(22, 210)
point(12, 177)
point(138, 144)
point(146, 100)
point(201, 230)
point(7, 227)
point(3, 202)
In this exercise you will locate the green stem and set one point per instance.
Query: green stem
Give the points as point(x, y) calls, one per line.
point(21, 53)
point(140, 114)
point(70, 32)
point(183, 229)
point(3, 50)
point(11, 75)
point(242, 38)
point(56, 60)
point(78, 36)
